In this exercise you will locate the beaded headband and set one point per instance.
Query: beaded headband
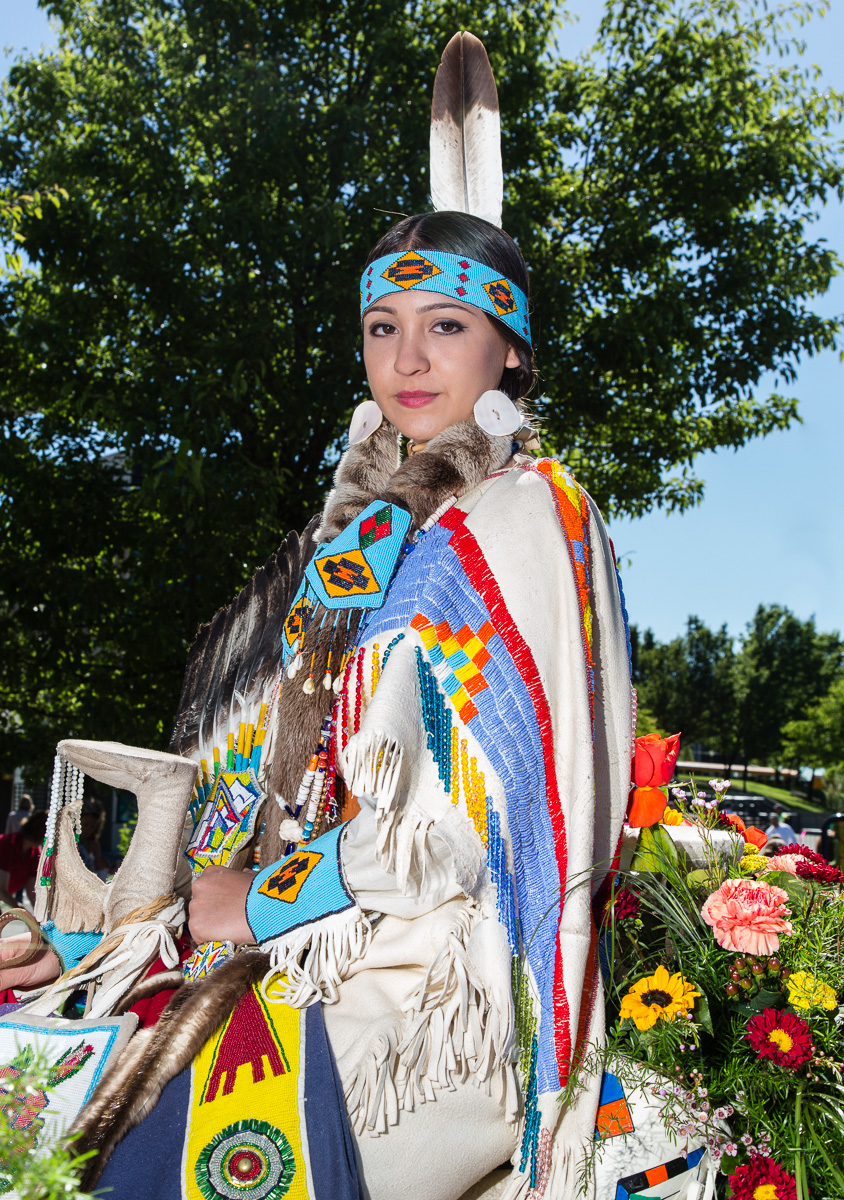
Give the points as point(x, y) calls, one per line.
point(439, 271)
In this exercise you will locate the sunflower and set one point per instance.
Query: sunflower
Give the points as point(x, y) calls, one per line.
point(781, 1037)
point(658, 996)
point(805, 991)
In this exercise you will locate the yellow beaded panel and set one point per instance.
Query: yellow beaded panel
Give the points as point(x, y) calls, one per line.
point(467, 780)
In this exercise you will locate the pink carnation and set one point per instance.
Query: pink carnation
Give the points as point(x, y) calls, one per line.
point(783, 862)
point(747, 916)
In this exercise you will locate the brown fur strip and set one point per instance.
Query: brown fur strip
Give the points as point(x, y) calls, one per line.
point(301, 714)
point(362, 472)
point(162, 982)
point(155, 1056)
point(453, 463)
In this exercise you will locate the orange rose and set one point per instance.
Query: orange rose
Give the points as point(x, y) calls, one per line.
point(646, 806)
point(756, 836)
point(655, 757)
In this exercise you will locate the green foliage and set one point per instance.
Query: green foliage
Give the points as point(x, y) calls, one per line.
point(52, 1171)
point(750, 701)
point(177, 370)
point(818, 740)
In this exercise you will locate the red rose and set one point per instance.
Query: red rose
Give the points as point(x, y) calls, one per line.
point(655, 757)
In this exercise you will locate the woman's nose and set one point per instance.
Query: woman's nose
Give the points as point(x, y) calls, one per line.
point(411, 357)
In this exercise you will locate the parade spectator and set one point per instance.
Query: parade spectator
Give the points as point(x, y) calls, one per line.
point(19, 854)
point(22, 813)
point(781, 829)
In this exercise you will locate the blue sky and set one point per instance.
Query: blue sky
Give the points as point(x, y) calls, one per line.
point(770, 529)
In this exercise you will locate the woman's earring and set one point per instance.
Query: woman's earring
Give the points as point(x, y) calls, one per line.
point(497, 415)
point(365, 420)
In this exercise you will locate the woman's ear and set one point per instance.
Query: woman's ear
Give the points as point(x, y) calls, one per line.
point(512, 359)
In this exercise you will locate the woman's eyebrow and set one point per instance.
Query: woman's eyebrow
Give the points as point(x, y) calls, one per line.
point(424, 309)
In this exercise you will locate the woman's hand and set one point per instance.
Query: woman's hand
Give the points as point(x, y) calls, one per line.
point(38, 972)
point(217, 911)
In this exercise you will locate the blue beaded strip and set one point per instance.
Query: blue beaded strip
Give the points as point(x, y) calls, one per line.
point(437, 717)
point(501, 877)
point(390, 649)
point(530, 1137)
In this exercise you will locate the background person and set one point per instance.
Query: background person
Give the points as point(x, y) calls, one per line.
point(780, 828)
point(21, 814)
point(19, 854)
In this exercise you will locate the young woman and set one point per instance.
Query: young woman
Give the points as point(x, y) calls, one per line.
point(484, 731)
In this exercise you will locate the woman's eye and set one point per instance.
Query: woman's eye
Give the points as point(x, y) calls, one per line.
point(448, 327)
point(381, 329)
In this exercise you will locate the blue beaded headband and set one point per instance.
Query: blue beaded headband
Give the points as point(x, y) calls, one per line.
point(438, 271)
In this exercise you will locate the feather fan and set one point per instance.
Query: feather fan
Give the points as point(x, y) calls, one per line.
point(466, 173)
point(235, 658)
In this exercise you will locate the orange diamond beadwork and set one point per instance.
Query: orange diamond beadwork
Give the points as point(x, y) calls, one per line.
point(347, 574)
point(501, 296)
point(289, 879)
point(410, 269)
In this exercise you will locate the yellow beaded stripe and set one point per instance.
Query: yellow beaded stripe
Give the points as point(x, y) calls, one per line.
point(466, 778)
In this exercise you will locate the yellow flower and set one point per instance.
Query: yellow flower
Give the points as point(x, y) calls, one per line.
point(672, 817)
point(658, 996)
point(805, 991)
point(752, 862)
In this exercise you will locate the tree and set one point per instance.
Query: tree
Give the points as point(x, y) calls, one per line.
point(185, 350)
point(818, 739)
point(786, 666)
point(690, 684)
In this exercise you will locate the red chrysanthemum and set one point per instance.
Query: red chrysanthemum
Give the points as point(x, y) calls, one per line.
point(626, 904)
point(821, 874)
point(762, 1177)
point(811, 855)
point(781, 1037)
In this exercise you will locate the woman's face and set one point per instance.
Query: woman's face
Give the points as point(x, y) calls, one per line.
point(428, 358)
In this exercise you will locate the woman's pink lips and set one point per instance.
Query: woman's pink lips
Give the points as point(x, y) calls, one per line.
point(415, 399)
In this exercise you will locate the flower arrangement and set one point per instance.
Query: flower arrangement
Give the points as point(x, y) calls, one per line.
point(725, 981)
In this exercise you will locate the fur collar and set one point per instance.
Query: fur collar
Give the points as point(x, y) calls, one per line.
point(453, 463)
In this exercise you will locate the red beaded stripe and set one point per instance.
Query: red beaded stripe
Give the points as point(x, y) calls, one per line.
point(480, 576)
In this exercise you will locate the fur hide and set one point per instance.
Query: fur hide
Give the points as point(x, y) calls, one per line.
point(156, 1055)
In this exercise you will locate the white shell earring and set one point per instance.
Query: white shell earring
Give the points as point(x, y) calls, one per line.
point(497, 415)
point(365, 420)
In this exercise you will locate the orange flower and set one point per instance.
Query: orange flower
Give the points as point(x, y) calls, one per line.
point(653, 763)
point(756, 836)
point(736, 820)
point(646, 806)
point(672, 817)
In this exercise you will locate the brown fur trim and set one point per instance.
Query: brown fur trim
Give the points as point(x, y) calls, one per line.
point(155, 1056)
point(162, 982)
point(300, 715)
point(362, 472)
point(453, 463)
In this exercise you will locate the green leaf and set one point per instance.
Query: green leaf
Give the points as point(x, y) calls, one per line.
point(702, 1014)
point(655, 851)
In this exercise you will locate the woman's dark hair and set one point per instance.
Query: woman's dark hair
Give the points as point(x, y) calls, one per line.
point(458, 233)
point(35, 828)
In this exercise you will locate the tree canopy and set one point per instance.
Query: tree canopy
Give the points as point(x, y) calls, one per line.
point(180, 361)
point(753, 700)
